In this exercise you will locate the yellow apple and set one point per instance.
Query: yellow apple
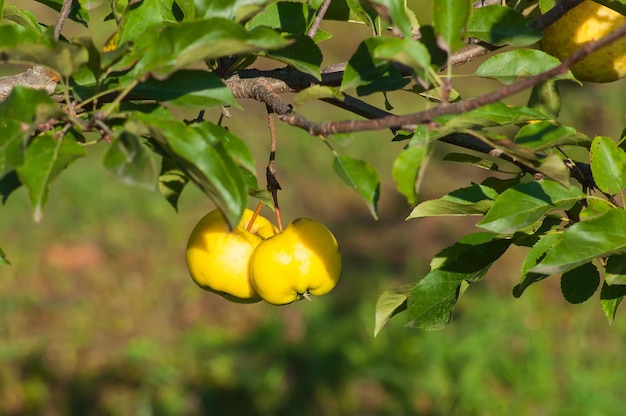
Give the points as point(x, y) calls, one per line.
point(584, 23)
point(218, 258)
point(300, 261)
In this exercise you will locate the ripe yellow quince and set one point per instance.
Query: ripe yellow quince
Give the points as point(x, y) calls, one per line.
point(584, 23)
point(218, 258)
point(300, 261)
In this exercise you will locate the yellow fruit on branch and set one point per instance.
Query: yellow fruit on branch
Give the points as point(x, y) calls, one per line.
point(589, 21)
point(218, 258)
point(300, 261)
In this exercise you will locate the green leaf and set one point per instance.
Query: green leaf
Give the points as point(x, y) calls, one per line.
point(608, 165)
point(21, 17)
point(172, 181)
point(508, 67)
point(129, 160)
point(44, 159)
point(204, 157)
point(362, 177)
point(473, 200)
point(536, 253)
point(390, 303)
point(586, 240)
point(526, 203)
point(616, 270)
point(432, 300)
point(580, 283)
point(141, 22)
point(21, 45)
point(610, 299)
point(303, 54)
point(395, 12)
point(13, 140)
point(545, 97)
point(187, 88)
point(3, 259)
point(449, 19)
point(496, 114)
point(406, 169)
point(189, 42)
point(8, 184)
point(363, 68)
point(545, 134)
point(595, 207)
point(501, 25)
point(316, 92)
point(288, 17)
point(405, 51)
point(229, 9)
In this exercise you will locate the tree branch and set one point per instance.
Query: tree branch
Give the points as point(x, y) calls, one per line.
point(315, 26)
point(63, 15)
point(326, 128)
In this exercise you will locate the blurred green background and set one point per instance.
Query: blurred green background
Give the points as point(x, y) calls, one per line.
point(98, 315)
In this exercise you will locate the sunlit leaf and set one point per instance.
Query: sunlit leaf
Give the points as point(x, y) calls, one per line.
point(526, 203)
point(586, 240)
point(545, 134)
point(508, 67)
point(316, 92)
point(473, 200)
point(608, 165)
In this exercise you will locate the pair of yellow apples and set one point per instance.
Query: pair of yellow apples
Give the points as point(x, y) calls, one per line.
point(250, 263)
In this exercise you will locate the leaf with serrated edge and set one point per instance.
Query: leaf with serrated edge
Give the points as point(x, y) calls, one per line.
point(580, 283)
point(608, 165)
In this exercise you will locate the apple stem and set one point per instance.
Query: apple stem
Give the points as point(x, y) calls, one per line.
point(270, 172)
point(254, 215)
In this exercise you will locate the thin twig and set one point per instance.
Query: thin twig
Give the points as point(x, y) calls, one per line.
point(315, 26)
point(270, 172)
point(63, 15)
